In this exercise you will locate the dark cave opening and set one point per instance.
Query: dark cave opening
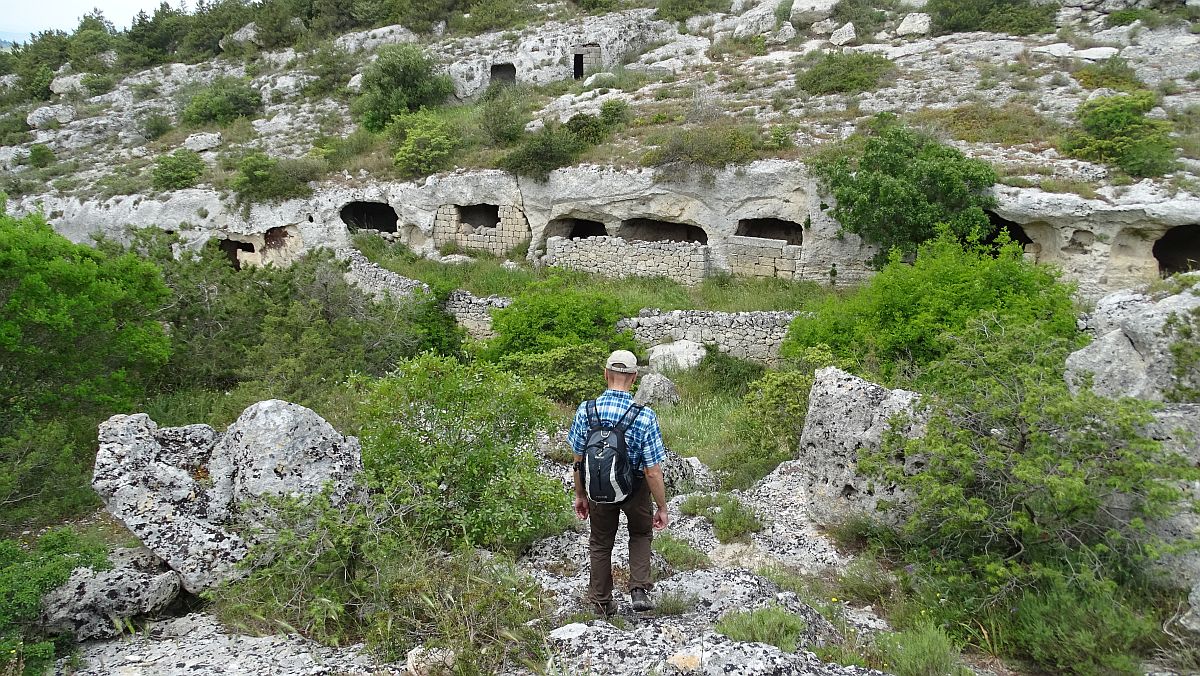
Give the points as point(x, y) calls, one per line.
point(479, 215)
point(231, 249)
point(369, 216)
point(1178, 250)
point(652, 230)
point(771, 228)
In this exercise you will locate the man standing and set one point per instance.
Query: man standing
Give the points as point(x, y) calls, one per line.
point(644, 445)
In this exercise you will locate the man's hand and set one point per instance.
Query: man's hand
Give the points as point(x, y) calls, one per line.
point(661, 518)
point(581, 507)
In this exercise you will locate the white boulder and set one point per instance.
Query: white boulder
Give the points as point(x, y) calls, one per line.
point(805, 12)
point(203, 141)
point(681, 354)
point(47, 117)
point(917, 23)
point(844, 35)
point(92, 603)
point(655, 389)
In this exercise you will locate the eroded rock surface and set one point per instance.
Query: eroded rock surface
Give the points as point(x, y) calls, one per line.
point(92, 603)
point(655, 389)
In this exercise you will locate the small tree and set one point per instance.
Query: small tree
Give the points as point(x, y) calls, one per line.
point(222, 102)
point(548, 315)
point(402, 79)
point(1115, 129)
point(181, 169)
point(429, 142)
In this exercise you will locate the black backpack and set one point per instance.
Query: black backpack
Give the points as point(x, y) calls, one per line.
point(607, 476)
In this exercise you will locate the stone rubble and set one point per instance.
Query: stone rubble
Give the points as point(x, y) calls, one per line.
point(92, 604)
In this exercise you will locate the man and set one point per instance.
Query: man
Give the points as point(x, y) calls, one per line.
point(644, 444)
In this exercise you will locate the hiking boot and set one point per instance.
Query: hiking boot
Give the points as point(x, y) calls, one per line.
point(641, 600)
point(605, 609)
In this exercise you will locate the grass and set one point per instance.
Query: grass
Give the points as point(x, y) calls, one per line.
point(772, 625)
point(1112, 73)
point(982, 123)
point(679, 554)
point(732, 521)
point(674, 604)
point(1187, 130)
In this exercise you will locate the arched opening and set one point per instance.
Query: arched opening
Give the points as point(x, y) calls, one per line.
point(1015, 232)
point(771, 228)
point(505, 73)
point(369, 216)
point(1178, 250)
point(231, 249)
point(575, 228)
point(276, 238)
point(651, 230)
point(479, 216)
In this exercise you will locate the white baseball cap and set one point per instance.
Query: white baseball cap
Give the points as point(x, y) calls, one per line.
point(621, 361)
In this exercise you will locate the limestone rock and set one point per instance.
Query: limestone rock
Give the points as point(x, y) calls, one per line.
point(805, 12)
point(355, 83)
point(847, 414)
point(50, 116)
point(686, 475)
point(247, 34)
point(1095, 53)
point(90, 602)
point(655, 389)
point(1134, 358)
point(844, 35)
point(66, 84)
point(758, 20)
point(681, 354)
point(917, 23)
point(374, 38)
point(202, 141)
point(785, 34)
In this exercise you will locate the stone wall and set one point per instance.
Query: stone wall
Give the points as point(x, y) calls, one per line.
point(748, 335)
point(759, 257)
point(684, 262)
point(474, 313)
point(511, 230)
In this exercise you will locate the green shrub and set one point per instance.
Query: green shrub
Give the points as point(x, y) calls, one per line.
point(726, 372)
point(903, 186)
point(14, 130)
point(598, 6)
point(866, 15)
point(1010, 124)
point(1015, 17)
point(401, 80)
point(682, 10)
point(772, 625)
point(181, 169)
point(25, 576)
point(732, 521)
point(768, 424)
point(567, 373)
point(1123, 17)
point(906, 315)
point(429, 142)
point(487, 15)
point(714, 146)
point(222, 102)
point(504, 116)
point(1114, 129)
point(540, 153)
point(154, 125)
point(864, 581)
point(549, 314)
point(97, 84)
point(1112, 73)
point(679, 554)
point(480, 488)
point(1183, 330)
point(615, 113)
point(847, 73)
point(41, 156)
point(262, 178)
point(925, 650)
point(333, 67)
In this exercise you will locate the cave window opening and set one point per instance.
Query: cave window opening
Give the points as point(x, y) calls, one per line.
point(231, 249)
point(504, 73)
point(1178, 250)
point(276, 238)
point(575, 228)
point(369, 216)
point(652, 230)
point(1015, 232)
point(771, 228)
point(479, 216)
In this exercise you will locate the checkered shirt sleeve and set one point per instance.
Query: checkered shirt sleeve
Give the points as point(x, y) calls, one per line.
point(643, 439)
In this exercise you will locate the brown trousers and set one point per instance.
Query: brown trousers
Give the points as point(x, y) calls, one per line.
point(605, 519)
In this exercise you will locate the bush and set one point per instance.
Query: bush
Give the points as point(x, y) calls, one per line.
point(25, 576)
point(154, 125)
point(1010, 124)
point(262, 178)
point(772, 625)
point(732, 521)
point(550, 314)
point(847, 73)
point(713, 146)
point(481, 488)
point(503, 119)
point(567, 374)
point(181, 169)
point(905, 316)
point(40, 156)
point(96, 84)
point(1114, 129)
point(333, 67)
point(428, 144)
point(14, 130)
point(615, 113)
point(539, 154)
point(222, 102)
point(1015, 17)
point(401, 80)
point(679, 554)
point(1183, 330)
point(866, 15)
point(903, 186)
point(682, 10)
point(768, 425)
point(922, 651)
point(486, 15)
point(1112, 73)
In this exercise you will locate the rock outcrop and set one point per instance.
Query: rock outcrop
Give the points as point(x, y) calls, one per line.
point(92, 604)
point(676, 355)
point(846, 415)
point(186, 492)
point(655, 389)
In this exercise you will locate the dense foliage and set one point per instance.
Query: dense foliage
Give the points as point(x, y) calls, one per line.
point(556, 145)
point(261, 177)
point(902, 186)
point(1015, 17)
point(401, 80)
point(427, 145)
point(550, 315)
point(1115, 129)
point(682, 10)
point(25, 576)
point(846, 73)
point(181, 169)
point(222, 102)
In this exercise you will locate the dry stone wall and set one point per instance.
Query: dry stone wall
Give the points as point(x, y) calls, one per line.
point(684, 262)
point(759, 257)
point(509, 229)
point(748, 335)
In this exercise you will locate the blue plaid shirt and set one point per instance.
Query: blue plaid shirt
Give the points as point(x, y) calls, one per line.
point(643, 439)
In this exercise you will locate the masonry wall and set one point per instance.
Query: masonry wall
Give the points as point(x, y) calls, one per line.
point(512, 230)
point(685, 262)
point(748, 335)
point(759, 257)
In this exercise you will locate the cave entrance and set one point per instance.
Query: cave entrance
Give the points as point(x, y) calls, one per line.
point(577, 70)
point(771, 228)
point(276, 238)
point(1015, 232)
point(1178, 250)
point(651, 230)
point(575, 228)
point(479, 216)
point(505, 73)
point(369, 216)
point(231, 249)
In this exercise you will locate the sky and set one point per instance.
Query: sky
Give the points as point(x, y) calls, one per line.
point(18, 18)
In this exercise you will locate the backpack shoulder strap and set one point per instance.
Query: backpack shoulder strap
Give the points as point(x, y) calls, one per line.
point(593, 416)
point(631, 414)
